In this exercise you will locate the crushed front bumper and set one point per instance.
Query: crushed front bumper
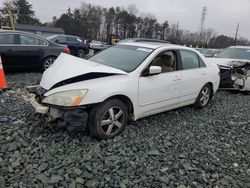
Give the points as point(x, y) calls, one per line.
point(38, 107)
point(73, 119)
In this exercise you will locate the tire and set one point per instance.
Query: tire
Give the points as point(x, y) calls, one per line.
point(47, 62)
point(103, 122)
point(81, 53)
point(203, 97)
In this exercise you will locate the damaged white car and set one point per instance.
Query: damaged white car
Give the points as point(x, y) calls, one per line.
point(234, 64)
point(128, 81)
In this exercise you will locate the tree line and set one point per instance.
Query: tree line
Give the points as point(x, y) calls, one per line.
point(96, 22)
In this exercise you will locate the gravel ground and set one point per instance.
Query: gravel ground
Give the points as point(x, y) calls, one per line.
point(181, 148)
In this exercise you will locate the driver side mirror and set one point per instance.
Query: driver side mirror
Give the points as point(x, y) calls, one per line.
point(153, 70)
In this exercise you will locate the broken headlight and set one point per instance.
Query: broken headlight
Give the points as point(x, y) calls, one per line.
point(66, 98)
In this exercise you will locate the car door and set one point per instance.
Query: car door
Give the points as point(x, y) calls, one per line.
point(30, 50)
point(8, 49)
point(161, 91)
point(195, 75)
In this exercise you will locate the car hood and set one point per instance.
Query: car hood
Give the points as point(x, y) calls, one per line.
point(69, 69)
point(229, 62)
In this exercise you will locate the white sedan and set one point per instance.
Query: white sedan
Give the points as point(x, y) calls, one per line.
point(128, 81)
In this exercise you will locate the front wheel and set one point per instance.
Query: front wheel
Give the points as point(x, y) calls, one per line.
point(47, 62)
point(204, 96)
point(108, 119)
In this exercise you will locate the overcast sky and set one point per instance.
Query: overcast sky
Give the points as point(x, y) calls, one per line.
point(222, 15)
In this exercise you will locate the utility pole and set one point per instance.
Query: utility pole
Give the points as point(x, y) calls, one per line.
point(202, 26)
point(177, 32)
point(236, 34)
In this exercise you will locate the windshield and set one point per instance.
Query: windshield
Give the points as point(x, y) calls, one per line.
point(123, 57)
point(235, 53)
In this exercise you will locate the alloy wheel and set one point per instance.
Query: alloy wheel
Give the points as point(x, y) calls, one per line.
point(81, 53)
point(205, 96)
point(112, 120)
point(48, 62)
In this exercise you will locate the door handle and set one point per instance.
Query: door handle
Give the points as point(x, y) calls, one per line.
point(176, 79)
point(203, 74)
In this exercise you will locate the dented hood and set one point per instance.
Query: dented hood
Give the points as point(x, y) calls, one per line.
point(67, 66)
point(229, 62)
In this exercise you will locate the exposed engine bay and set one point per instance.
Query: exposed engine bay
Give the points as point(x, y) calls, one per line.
point(235, 75)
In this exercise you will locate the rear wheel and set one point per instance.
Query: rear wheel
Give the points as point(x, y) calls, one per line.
point(108, 119)
point(204, 96)
point(81, 53)
point(47, 62)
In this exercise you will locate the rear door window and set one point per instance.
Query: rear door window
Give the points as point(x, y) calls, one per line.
point(190, 60)
point(7, 39)
point(29, 40)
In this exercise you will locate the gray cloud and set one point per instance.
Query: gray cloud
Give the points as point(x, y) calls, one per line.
point(222, 15)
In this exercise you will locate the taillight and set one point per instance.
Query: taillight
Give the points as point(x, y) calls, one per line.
point(66, 50)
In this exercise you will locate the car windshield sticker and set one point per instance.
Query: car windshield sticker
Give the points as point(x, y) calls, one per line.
point(144, 50)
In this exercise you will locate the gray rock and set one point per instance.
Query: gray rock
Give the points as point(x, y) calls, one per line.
point(2, 182)
point(77, 171)
point(181, 186)
point(43, 178)
point(43, 166)
point(153, 152)
point(164, 179)
point(15, 164)
point(182, 156)
point(79, 180)
point(72, 185)
point(91, 183)
point(164, 169)
point(55, 179)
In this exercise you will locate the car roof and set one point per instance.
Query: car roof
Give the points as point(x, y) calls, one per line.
point(67, 35)
point(240, 47)
point(155, 45)
point(21, 32)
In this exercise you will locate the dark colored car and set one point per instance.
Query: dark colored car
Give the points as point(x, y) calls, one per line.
point(20, 50)
point(75, 44)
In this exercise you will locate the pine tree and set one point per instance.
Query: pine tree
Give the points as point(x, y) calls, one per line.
point(25, 14)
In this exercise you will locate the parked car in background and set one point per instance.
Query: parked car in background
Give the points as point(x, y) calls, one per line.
point(75, 44)
point(96, 45)
point(127, 81)
point(142, 40)
point(234, 63)
point(207, 52)
point(20, 50)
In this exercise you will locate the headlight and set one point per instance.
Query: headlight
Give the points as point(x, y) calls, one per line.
point(66, 98)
